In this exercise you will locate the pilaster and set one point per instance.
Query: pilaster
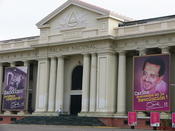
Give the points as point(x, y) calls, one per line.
point(106, 82)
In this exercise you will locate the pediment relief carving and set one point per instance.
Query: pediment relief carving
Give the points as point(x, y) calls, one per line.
point(73, 18)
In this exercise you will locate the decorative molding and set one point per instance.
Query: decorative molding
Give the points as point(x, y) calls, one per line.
point(18, 56)
point(147, 42)
point(71, 49)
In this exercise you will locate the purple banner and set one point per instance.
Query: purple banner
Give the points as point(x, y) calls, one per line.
point(151, 83)
point(15, 85)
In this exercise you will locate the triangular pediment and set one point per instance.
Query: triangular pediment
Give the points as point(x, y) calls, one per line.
point(73, 18)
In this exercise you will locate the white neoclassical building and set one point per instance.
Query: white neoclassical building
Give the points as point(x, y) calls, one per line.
point(82, 62)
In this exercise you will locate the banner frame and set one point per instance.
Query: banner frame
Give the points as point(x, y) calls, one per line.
point(169, 100)
point(25, 90)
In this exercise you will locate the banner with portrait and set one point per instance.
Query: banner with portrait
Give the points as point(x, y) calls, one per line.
point(15, 87)
point(151, 83)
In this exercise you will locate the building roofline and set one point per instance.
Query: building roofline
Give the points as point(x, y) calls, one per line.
point(20, 39)
point(82, 4)
point(144, 21)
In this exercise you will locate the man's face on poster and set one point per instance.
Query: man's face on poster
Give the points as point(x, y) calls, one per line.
point(150, 77)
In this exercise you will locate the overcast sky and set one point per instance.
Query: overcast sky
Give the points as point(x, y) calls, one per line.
point(18, 17)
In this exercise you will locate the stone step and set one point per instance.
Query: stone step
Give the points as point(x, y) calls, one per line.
point(60, 120)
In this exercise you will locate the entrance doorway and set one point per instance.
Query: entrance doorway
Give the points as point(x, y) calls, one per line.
point(76, 87)
point(75, 105)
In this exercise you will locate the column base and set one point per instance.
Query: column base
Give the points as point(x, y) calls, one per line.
point(165, 115)
point(141, 114)
point(22, 113)
point(7, 113)
point(120, 114)
point(52, 113)
point(96, 114)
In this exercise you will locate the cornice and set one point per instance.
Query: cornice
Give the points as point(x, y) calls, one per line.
point(106, 37)
point(16, 50)
point(146, 34)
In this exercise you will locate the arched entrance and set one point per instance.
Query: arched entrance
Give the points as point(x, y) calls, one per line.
point(76, 87)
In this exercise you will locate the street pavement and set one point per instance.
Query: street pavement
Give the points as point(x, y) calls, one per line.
point(13, 127)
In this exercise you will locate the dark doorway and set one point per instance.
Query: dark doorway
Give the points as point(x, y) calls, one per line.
point(75, 105)
point(77, 75)
point(30, 110)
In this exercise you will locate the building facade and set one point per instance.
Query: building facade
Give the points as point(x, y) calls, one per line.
point(82, 62)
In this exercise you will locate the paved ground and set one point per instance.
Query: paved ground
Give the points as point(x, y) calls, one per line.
point(56, 128)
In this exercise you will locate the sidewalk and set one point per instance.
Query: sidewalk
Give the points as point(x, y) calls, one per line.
point(14, 127)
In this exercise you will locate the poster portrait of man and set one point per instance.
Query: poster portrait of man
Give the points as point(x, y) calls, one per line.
point(151, 83)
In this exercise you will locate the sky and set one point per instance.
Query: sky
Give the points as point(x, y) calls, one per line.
point(18, 18)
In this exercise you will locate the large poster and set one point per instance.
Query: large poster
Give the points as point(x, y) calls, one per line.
point(15, 85)
point(151, 83)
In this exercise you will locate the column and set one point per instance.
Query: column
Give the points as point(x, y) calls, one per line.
point(27, 64)
point(25, 111)
point(165, 50)
point(52, 85)
point(34, 89)
point(85, 84)
point(121, 97)
point(42, 86)
point(1, 84)
point(93, 83)
point(60, 84)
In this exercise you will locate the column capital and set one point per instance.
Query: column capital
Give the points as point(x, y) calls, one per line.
point(107, 52)
point(164, 49)
point(41, 59)
point(26, 62)
point(93, 54)
point(60, 56)
point(53, 57)
point(12, 63)
point(142, 51)
point(121, 52)
point(85, 54)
